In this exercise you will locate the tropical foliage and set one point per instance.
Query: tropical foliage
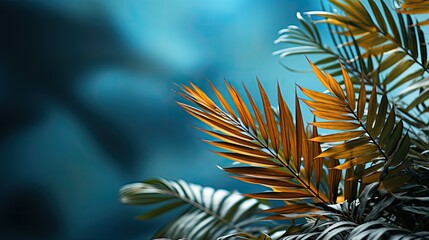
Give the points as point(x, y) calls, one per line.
point(365, 177)
point(208, 213)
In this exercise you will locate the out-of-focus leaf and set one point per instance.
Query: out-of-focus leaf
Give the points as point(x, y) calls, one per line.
point(206, 209)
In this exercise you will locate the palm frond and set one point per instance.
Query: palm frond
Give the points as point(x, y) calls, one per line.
point(414, 7)
point(208, 213)
point(375, 215)
point(307, 41)
point(384, 230)
point(375, 154)
point(339, 230)
point(373, 42)
point(372, 138)
point(262, 236)
point(396, 44)
point(276, 154)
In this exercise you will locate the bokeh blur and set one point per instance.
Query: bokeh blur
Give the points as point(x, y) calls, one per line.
point(87, 103)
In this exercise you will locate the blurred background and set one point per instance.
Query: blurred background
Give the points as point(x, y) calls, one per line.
point(87, 103)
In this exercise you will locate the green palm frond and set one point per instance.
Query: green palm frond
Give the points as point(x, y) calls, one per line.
point(413, 202)
point(368, 218)
point(372, 138)
point(262, 236)
point(208, 213)
point(340, 230)
point(307, 41)
point(384, 230)
point(414, 7)
point(376, 214)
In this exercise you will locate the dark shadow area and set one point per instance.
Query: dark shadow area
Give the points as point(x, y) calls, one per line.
point(42, 56)
point(28, 213)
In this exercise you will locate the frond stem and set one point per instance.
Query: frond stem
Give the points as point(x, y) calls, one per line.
point(204, 209)
point(275, 155)
point(367, 132)
point(391, 39)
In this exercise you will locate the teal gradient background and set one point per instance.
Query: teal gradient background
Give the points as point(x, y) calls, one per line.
point(87, 97)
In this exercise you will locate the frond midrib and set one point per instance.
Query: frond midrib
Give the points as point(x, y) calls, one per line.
point(204, 209)
point(276, 156)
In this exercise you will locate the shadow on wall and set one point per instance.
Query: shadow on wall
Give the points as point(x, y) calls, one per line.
point(83, 111)
point(43, 53)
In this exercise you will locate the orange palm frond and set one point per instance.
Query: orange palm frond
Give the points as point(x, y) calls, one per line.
point(414, 7)
point(273, 152)
point(373, 138)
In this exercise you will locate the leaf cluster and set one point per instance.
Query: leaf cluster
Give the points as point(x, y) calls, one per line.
point(371, 41)
point(206, 213)
point(358, 170)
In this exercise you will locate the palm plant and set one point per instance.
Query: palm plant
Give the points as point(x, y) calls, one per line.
point(365, 177)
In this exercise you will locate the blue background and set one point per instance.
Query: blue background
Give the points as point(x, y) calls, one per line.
point(88, 104)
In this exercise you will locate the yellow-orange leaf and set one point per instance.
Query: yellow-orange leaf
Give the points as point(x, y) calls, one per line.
point(362, 100)
point(359, 160)
point(349, 89)
point(295, 208)
point(320, 106)
point(251, 152)
point(251, 160)
point(336, 125)
point(335, 86)
point(354, 152)
point(261, 124)
point(337, 137)
point(271, 122)
point(223, 102)
point(260, 172)
point(231, 139)
point(345, 147)
point(214, 122)
point(321, 97)
point(289, 195)
point(269, 182)
point(287, 132)
point(332, 116)
point(244, 113)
